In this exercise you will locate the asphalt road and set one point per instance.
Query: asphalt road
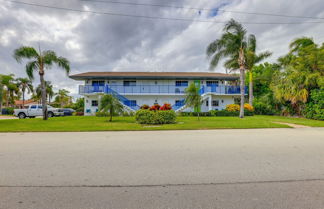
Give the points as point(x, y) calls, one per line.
point(260, 168)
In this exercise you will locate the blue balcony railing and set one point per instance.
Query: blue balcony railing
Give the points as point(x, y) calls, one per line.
point(158, 89)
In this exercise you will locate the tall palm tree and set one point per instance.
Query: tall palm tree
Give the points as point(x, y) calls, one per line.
point(232, 45)
point(111, 104)
point(25, 84)
point(252, 58)
point(40, 61)
point(1, 93)
point(193, 98)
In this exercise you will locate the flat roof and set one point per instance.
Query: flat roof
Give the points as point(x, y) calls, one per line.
point(154, 75)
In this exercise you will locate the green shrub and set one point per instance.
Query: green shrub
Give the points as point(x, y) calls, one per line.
point(8, 111)
point(315, 108)
point(155, 117)
point(102, 114)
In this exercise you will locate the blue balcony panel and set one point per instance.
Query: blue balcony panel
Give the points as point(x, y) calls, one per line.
point(158, 89)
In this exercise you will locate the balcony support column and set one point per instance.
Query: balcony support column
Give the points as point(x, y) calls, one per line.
point(210, 102)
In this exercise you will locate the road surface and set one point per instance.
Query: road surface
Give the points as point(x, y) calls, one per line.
point(252, 168)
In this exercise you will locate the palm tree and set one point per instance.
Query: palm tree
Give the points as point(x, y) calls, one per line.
point(111, 104)
point(251, 60)
point(193, 98)
point(8, 82)
point(49, 91)
point(40, 61)
point(25, 84)
point(62, 97)
point(232, 45)
point(1, 93)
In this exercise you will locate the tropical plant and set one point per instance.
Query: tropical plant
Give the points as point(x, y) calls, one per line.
point(302, 71)
point(109, 103)
point(232, 45)
point(25, 84)
point(193, 98)
point(39, 61)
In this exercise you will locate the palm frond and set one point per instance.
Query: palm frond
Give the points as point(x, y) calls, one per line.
point(25, 52)
point(30, 68)
point(63, 63)
point(251, 43)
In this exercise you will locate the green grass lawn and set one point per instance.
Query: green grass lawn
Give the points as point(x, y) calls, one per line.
point(77, 123)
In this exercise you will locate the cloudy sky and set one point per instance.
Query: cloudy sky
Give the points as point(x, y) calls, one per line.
point(98, 42)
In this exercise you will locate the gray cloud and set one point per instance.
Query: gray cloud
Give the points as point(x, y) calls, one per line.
point(101, 42)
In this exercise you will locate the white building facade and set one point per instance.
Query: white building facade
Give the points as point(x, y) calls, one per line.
point(134, 89)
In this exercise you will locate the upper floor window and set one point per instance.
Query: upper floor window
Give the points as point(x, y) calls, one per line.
point(98, 83)
point(129, 83)
point(211, 83)
point(181, 83)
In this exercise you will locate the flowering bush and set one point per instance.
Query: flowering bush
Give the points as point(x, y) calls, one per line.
point(248, 107)
point(155, 107)
point(145, 107)
point(232, 107)
point(166, 106)
point(236, 108)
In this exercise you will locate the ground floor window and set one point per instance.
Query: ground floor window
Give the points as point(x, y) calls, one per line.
point(215, 103)
point(94, 103)
point(207, 103)
point(130, 103)
point(179, 103)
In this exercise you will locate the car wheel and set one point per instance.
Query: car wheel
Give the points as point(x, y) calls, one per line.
point(50, 114)
point(21, 115)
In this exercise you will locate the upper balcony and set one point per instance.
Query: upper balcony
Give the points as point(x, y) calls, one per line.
point(157, 89)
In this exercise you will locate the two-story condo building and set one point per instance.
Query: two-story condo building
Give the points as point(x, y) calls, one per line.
point(134, 89)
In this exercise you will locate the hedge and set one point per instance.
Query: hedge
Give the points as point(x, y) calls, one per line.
point(155, 117)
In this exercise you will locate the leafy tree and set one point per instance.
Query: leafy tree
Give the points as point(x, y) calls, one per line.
point(232, 45)
point(193, 98)
point(79, 105)
point(315, 108)
point(62, 97)
point(25, 84)
point(10, 86)
point(39, 61)
point(111, 104)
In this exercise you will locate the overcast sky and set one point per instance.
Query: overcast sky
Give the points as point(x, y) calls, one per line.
point(94, 42)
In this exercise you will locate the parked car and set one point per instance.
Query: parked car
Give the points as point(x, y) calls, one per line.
point(36, 110)
point(67, 111)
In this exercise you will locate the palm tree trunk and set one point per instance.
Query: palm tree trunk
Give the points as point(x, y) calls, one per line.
point(23, 94)
point(44, 105)
point(1, 97)
point(251, 88)
point(242, 81)
point(111, 115)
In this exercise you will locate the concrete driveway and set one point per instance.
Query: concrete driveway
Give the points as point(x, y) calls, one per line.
point(254, 168)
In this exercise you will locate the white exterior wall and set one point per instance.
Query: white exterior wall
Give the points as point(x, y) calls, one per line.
point(160, 99)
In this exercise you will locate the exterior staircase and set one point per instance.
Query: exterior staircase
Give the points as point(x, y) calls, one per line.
point(123, 100)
